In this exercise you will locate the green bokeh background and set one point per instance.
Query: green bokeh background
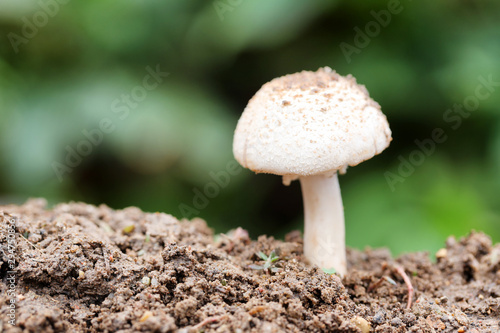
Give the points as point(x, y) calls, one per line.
point(84, 55)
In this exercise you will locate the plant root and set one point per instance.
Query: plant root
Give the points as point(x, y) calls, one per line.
point(400, 270)
point(407, 280)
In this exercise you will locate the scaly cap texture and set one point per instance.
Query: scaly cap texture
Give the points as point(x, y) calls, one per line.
point(310, 123)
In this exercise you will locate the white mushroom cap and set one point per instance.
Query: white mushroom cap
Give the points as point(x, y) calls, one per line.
point(310, 123)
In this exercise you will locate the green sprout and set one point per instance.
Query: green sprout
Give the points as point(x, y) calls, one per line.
point(329, 271)
point(269, 262)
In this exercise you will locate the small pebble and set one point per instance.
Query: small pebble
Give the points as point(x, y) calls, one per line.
point(146, 281)
point(81, 275)
point(441, 253)
point(451, 241)
point(409, 319)
point(146, 316)
point(361, 323)
point(379, 317)
point(446, 318)
point(128, 229)
point(461, 317)
point(396, 322)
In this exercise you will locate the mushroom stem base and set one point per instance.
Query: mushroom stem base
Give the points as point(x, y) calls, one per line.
point(324, 231)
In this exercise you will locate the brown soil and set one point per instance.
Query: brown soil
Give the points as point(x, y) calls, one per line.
point(81, 268)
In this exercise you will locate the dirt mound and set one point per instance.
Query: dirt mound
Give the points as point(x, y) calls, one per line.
point(83, 268)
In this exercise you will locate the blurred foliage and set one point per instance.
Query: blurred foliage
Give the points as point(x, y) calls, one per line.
point(86, 55)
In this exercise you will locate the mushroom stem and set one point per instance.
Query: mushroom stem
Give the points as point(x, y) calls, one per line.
point(324, 231)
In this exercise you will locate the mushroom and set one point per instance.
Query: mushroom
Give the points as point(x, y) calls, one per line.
point(308, 126)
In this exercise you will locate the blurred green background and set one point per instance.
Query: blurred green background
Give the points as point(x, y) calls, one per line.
point(67, 65)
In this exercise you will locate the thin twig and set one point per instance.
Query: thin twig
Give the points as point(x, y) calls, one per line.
point(405, 277)
point(30, 243)
point(208, 321)
point(376, 284)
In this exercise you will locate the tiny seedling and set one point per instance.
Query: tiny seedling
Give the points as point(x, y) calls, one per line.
point(329, 271)
point(269, 262)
